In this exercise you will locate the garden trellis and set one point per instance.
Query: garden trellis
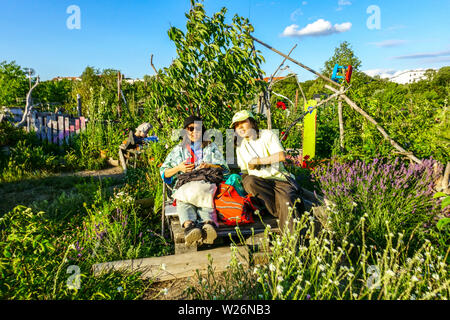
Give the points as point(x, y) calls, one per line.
point(340, 93)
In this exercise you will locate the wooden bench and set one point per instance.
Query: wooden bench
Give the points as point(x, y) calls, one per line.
point(169, 217)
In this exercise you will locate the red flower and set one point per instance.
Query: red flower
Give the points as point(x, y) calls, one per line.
point(281, 105)
point(285, 137)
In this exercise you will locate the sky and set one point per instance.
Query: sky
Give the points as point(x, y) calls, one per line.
point(61, 38)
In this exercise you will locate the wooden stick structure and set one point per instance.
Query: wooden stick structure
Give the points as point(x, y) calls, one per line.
point(295, 61)
point(273, 75)
point(379, 128)
point(341, 95)
point(314, 107)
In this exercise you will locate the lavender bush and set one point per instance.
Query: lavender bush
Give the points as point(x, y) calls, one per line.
point(382, 190)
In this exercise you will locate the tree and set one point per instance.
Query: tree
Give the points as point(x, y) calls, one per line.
point(442, 77)
point(215, 67)
point(13, 83)
point(344, 56)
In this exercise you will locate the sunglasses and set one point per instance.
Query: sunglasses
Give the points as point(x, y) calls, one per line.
point(190, 129)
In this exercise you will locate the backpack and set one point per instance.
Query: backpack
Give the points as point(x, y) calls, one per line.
point(231, 208)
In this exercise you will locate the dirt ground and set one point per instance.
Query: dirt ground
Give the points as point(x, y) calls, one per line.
point(113, 172)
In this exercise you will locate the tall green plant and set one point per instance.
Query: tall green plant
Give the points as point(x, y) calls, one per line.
point(215, 67)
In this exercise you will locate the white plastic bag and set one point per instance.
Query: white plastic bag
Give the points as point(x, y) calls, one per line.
point(198, 193)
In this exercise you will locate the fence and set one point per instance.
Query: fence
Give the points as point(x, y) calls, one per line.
point(55, 128)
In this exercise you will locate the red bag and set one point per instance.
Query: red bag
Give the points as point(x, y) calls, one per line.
point(231, 208)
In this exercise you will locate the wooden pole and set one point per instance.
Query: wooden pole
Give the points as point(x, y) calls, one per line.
point(296, 101)
point(268, 111)
point(294, 61)
point(379, 128)
point(301, 90)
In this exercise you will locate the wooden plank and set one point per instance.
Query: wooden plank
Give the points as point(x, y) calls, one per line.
point(82, 123)
point(66, 129)
point(28, 123)
point(77, 126)
point(48, 126)
point(33, 122)
point(60, 130)
point(224, 231)
point(176, 266)
point(38, 122)
point(54, 129)
point(42, 130)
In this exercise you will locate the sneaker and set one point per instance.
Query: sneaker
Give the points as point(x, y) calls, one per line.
point(209, 233)
point(192, 234)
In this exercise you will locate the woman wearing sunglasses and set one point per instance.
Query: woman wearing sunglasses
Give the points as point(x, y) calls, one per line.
point(193, 153)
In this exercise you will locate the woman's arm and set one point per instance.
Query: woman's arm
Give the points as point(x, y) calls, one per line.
point(170, 172)
point(274, 158)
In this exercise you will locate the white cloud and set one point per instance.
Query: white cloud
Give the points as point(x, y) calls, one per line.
point(389, 43)
point(424, 55)
point(395, 27)
point(383, 73)
point(320, 27)
point(344, 3)
point(296, 13)
point(304, 3)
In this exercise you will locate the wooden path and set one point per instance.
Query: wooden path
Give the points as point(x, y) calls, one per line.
point(178, 266)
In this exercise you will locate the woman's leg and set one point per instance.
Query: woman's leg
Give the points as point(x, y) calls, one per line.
point(261, 189)
point(186, 212)
point(285, 197)
point(209, 231)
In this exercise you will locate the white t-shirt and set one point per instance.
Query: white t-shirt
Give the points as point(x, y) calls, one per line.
point(266, 145)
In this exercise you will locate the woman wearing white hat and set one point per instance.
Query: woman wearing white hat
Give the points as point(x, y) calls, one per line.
point(260, 157)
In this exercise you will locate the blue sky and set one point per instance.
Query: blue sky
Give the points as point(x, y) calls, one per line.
point(123, 34)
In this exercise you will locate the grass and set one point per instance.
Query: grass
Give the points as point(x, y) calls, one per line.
point(40, 188)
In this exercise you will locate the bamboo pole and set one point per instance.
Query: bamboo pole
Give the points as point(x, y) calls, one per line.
point(379, 128)
point(294, 61)
point(273, 75)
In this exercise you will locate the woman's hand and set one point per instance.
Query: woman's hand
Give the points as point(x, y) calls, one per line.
point(208, 165)
point(184, 167)
point(254, 163)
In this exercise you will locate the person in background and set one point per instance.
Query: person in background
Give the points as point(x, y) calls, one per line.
point(142, 130)
point(193, 153)
point(260, 157)
point(140, 136)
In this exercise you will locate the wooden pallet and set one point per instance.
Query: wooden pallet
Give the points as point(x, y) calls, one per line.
point(224, 232)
